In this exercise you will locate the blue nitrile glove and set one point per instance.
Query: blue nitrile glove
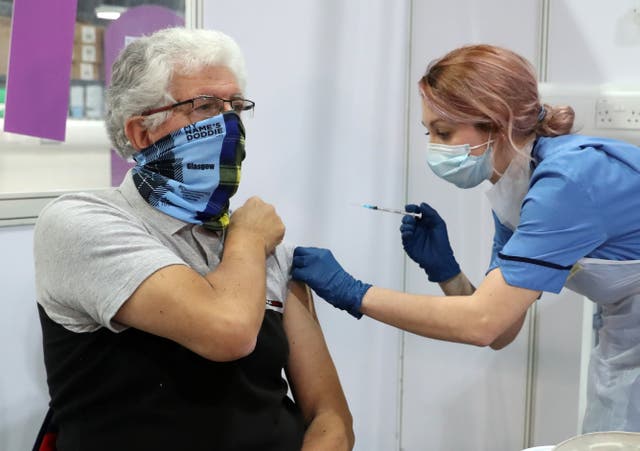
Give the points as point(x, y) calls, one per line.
point(319, 269)
point(426, 241)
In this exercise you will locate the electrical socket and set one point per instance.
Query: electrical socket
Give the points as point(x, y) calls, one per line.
point(620, 112)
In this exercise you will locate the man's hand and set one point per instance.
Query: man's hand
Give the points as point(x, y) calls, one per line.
point(261, 219)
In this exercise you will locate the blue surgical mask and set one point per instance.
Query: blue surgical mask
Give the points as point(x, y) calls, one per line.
point(191, 173)
point(455, 164)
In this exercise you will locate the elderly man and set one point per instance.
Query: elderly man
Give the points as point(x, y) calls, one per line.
point(167, 323)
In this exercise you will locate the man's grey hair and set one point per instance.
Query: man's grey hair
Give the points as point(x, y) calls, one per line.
point(143, 70)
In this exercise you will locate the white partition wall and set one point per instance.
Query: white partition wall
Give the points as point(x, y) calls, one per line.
point(23, 390)
point(593, 42)
point(328, 79)
point(459, 397)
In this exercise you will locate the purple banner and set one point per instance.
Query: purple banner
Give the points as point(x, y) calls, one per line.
point(39, 74)
point(133, 23)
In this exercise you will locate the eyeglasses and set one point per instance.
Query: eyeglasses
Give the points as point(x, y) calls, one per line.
point(204, 107)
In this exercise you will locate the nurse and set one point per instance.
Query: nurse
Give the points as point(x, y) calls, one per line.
point(566, 209)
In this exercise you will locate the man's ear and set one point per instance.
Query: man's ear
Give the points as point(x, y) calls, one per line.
point(137, 133)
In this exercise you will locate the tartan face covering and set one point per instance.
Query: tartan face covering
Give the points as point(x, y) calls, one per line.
point(192, 173)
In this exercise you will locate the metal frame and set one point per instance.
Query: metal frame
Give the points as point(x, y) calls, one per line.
point(193, 13)
point(24, 208)
point(407, 145)
point(532, 344)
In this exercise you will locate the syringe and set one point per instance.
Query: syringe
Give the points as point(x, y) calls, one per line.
point(391, 210)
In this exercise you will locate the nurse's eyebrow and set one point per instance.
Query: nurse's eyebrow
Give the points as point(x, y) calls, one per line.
point(434, 122)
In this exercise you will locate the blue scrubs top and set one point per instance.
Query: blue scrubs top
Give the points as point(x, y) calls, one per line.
point(583, 201)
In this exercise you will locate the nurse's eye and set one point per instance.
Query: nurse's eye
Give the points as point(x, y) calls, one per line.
point(443, 135)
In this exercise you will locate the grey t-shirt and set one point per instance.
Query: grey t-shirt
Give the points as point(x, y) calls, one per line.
point(93, 250)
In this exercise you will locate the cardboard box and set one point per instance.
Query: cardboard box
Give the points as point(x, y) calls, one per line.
point(88, 43)
point(86, 33)
point(88, 53)
point(86, 71)
point(5, 37)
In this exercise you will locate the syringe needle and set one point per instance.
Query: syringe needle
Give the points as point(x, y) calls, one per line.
point(391, 210)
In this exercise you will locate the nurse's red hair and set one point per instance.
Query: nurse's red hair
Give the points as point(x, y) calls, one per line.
point(494, 89)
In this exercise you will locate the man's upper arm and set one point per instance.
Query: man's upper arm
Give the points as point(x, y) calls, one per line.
point(89, 258)
point(311, 372)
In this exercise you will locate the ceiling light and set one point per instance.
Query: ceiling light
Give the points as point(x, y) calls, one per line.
point(109, 12)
